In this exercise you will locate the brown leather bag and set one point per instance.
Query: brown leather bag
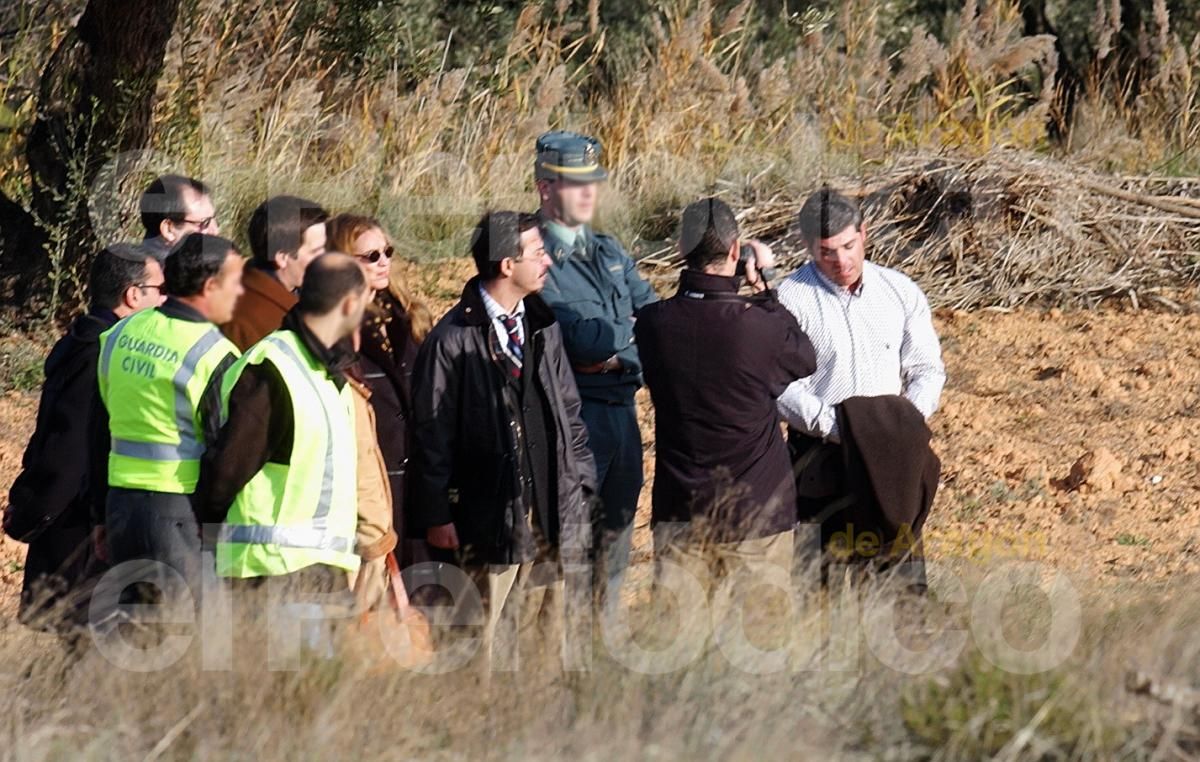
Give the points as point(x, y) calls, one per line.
point(399, 631)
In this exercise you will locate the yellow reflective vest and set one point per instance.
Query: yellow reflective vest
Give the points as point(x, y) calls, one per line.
point(153, 371)
point(290, 516)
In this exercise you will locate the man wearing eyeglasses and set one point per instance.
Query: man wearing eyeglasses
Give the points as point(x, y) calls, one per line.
point(52, 502)
point(172, 207)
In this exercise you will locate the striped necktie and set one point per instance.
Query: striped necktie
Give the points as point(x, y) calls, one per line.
point(511, 325)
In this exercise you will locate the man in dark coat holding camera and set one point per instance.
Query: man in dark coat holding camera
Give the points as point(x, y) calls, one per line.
point(715, 362)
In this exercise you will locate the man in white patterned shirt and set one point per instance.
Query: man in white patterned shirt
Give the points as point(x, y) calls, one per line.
point(873, 334)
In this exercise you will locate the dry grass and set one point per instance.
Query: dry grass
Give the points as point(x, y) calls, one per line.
point(846, 692)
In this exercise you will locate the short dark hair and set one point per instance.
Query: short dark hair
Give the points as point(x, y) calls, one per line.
point(197, 258)
point(163, 200)
point(115, 269)
point(707, 230)
point(497, 237)
point(278, 224)
point(329, 279)
point(827, 213)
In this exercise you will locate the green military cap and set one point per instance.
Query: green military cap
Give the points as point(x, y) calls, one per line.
point(569, 155)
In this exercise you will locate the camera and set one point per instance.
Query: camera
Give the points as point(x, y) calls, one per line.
point(750, 253)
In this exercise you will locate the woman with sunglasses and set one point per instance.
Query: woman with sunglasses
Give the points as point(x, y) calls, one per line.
point(393, 329)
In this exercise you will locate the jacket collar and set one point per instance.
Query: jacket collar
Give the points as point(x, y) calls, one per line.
point(267, 286)
point(472, 312)
point(89, 325)
point(173, 308)
point(336, 360)
point(707, 283)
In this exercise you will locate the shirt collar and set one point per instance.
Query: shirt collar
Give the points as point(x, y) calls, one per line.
point(562, 238)
point(495, 311)
point(841, 291)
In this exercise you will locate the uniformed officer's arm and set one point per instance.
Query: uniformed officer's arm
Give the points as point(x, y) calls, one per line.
point(259, 429)
point(588, 339)
point(640, 292)
point(435, 390)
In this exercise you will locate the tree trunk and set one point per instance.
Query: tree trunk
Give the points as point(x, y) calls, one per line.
point(95, 100)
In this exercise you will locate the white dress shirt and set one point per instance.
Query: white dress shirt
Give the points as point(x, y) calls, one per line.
point(496, 312)
point(874, 341)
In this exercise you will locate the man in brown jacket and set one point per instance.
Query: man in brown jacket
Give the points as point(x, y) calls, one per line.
point(286, 233)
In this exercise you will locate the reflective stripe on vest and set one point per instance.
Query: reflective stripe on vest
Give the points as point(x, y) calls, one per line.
point(326, 498)
point(286, 537)
point(315, 533)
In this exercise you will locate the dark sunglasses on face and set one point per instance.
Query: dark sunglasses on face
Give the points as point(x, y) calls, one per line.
point(373, 256)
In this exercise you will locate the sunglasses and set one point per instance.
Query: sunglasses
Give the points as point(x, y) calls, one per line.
point(374, 256)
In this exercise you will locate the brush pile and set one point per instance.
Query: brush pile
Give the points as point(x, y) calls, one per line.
point(1009, 229)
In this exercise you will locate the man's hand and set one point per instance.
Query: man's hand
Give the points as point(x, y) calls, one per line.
point(763, 262)
point(100, 543)
point(442, 536)
point(611, 365)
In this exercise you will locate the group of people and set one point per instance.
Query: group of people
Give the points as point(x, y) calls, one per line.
point(299, 414)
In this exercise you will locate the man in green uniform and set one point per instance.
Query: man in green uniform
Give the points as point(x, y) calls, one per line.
point(595, 291)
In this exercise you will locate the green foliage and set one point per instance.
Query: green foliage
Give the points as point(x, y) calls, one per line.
point(979, 709)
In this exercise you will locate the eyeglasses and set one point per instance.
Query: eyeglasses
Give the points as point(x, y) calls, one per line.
point(156, 286)
point(373, 256)
point(201, 225)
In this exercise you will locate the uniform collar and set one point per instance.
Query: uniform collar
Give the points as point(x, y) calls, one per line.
point(560, 240)
point(173, 308)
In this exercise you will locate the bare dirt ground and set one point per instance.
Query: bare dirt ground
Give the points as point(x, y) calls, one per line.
point(1073, 438)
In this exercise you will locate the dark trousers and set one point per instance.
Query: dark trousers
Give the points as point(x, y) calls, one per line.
point(154, 538)
point(826, 499)
point(616, 445)
point(283, 616)
point(61, 570)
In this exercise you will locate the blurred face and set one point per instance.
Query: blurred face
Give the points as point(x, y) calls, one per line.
point(148, 293)
point(528, 271)
point(373, 245)
point(222, 292)
point(292, 267)
point(569, 202)
point(354, 308)
point(199, 217)
point(840, 257)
